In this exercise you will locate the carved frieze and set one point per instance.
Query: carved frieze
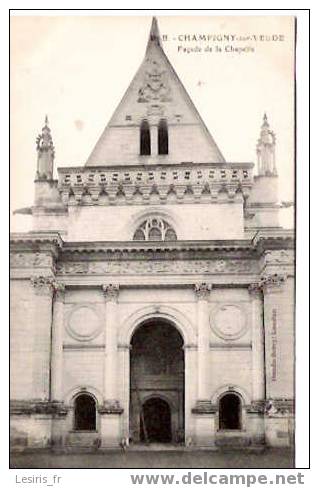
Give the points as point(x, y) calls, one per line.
point(282, 256)
point(157, 267)
point(30, 260)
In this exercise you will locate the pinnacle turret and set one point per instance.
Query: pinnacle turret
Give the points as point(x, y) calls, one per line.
point(266, 150)
point(45, 149)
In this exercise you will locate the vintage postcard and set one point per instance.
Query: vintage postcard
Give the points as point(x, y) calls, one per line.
point(153, 241)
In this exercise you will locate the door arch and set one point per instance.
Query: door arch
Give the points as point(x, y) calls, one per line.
point(84, 412)
point(155, 421)
point(157, 373)
point(230, 407)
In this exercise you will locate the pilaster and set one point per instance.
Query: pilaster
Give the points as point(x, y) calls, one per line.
point(42, 310)
point(273, 288)
point(57, 342)
point(202, 291)
point(111, 410)
point(258, 360)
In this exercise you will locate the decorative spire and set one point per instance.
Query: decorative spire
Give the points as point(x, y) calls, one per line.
point(266, 150)
point(154, 37)
point(45, 149)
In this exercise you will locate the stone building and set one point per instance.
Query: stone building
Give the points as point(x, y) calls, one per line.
point(153, 301)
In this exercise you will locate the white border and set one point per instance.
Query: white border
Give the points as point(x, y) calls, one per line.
point(121, 477)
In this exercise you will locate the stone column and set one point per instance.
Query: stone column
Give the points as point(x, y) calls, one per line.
point(111, 410)
point(57, 343)
point(42, 310)
point(258, 360)
point(202, 291)
point(204, 412)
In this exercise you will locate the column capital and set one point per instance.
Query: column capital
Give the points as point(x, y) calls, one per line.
point(272, 282)
point(110, 292)
point(43, 285)
point(202, 290)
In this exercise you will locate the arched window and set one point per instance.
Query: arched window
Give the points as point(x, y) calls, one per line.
point(154, 229)
point(162, 137)
point(230, 412)
point(84, 412)
point(145, 139)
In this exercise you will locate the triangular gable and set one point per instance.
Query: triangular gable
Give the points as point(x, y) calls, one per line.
point(155, 93)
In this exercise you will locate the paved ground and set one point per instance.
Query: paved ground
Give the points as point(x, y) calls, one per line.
point(271, 458)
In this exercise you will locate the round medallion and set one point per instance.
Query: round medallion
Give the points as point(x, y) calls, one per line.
point(228, 322)
point(83, 323)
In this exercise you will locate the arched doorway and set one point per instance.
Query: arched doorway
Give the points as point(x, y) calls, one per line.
point(230, 412)
point(84, 412)
point(155, 421)
point(157, 383)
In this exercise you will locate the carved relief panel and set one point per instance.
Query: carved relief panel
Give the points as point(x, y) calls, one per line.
point(228, 321)
point(84, 318)
point(83, 323)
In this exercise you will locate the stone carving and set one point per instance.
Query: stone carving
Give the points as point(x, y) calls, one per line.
point(204, 407)
point(256, 407)
point(157, 267)
point(59, 290)
point(27, 407)
point(155, 87)
point(279, 257)
point(154, 228)
point(44, 140)
point(26, 260)
point(43, 285)
point(279, 407)
point(228, 322)
point(202, 290)
point(83, 323)
point(111, 292)
point(110, 407)
point(188, 185)
point(272, 280)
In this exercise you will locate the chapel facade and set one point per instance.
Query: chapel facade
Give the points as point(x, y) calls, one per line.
point(153, 301)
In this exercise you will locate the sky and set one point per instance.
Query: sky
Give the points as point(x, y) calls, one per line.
point(76, 69)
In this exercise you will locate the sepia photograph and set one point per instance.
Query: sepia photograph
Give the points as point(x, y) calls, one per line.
point(152, 247)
